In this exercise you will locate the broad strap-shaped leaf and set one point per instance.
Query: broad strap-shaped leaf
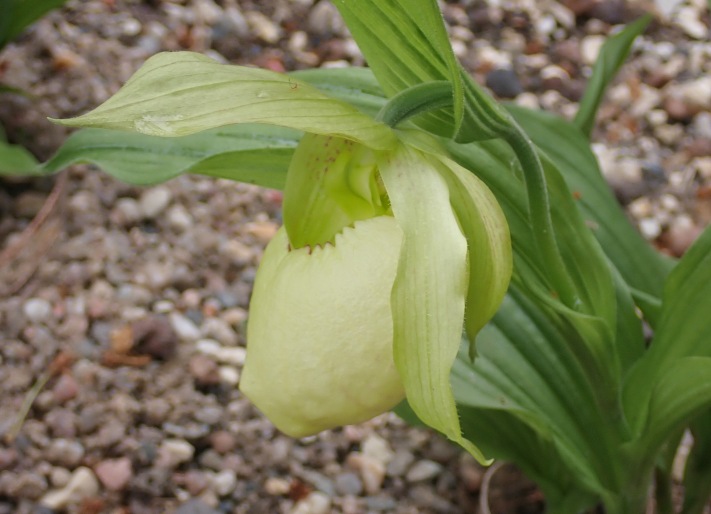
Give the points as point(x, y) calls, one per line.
point(640, 265)
point(683, 331)
point(18, 14)
point(181, 93)
point(503, 436)
point(430, 290)
point(612, 55)
point(400, 52)
point(525, 367)
point(256, 154)
point(697, 473)
point(680, 393)
point(406, 44)
point(595, 321)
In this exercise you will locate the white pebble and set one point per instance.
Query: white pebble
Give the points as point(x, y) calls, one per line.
point(82, 484)
point(228, 375)
point(590, 48)
point(688, 19)
point(277, 486)
point(185, 328)
point(378, 448)
point(314, 503)
point(173, 452)
point(179, 218)
point(37, 310)
point(154, 201)
point(423, 470)
point(650, 228)
point(223, 483)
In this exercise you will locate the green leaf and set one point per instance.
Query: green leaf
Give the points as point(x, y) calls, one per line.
point(430, 288)
point(683, 331)
point(525, 367)
point(181, 93)
point(18, 14)
point(505, 437)
point(612, 55)
point(640, 265)
point(592, 327)
point(16, 160)
point(353, 85)
point(256, 154)
point(680, 393)
point(697, 473)
point(406, 44)
point(403, 44)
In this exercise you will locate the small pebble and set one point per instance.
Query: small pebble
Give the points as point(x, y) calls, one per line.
point(65, 388)
point(504, 83)
point(114, 474)
point(26, 484)
point(83, 484)
point(204, 369)
point(154, 201)
point(184, 328)
point(371, 470)
point(37, 310)
point(223, 441)
point(229, 375)
point(277, 486)
point(400, 462)
point(423, 470)
point(65, 452)
point(378, 448)
point(314, 503)
point(348, 484)
point(173, 452)
point(223, 482)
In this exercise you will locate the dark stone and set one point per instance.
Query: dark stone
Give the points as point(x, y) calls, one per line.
point(504, 83)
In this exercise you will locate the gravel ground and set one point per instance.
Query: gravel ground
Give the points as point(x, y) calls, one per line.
point(124, 309)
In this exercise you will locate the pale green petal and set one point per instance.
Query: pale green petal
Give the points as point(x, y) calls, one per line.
point(319, 336)
point(487, 232)
point(484, 224)
point(180, 93)
point(430, 290)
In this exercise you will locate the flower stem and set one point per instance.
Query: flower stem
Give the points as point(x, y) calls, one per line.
point(415, 100)
point(540, 214)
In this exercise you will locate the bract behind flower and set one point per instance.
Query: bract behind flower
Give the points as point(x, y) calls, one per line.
point(320, 330)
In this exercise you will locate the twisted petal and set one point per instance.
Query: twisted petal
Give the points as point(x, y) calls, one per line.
point(430, 290)
point(320, 330)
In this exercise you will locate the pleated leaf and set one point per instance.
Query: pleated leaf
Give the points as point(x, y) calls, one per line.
point(639, 264)
point(181, 93)
point(525, 367)
point(255, 154)
point(683, 331)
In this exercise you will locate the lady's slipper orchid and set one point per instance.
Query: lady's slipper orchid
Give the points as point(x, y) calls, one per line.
point(388, 247)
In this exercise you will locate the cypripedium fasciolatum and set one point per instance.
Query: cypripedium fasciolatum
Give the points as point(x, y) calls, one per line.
point(388, 250)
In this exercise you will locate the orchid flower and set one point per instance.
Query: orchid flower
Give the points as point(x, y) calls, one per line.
point(388, 250)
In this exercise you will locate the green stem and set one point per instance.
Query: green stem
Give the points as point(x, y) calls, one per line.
point(416, 100)
point(540, 214)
